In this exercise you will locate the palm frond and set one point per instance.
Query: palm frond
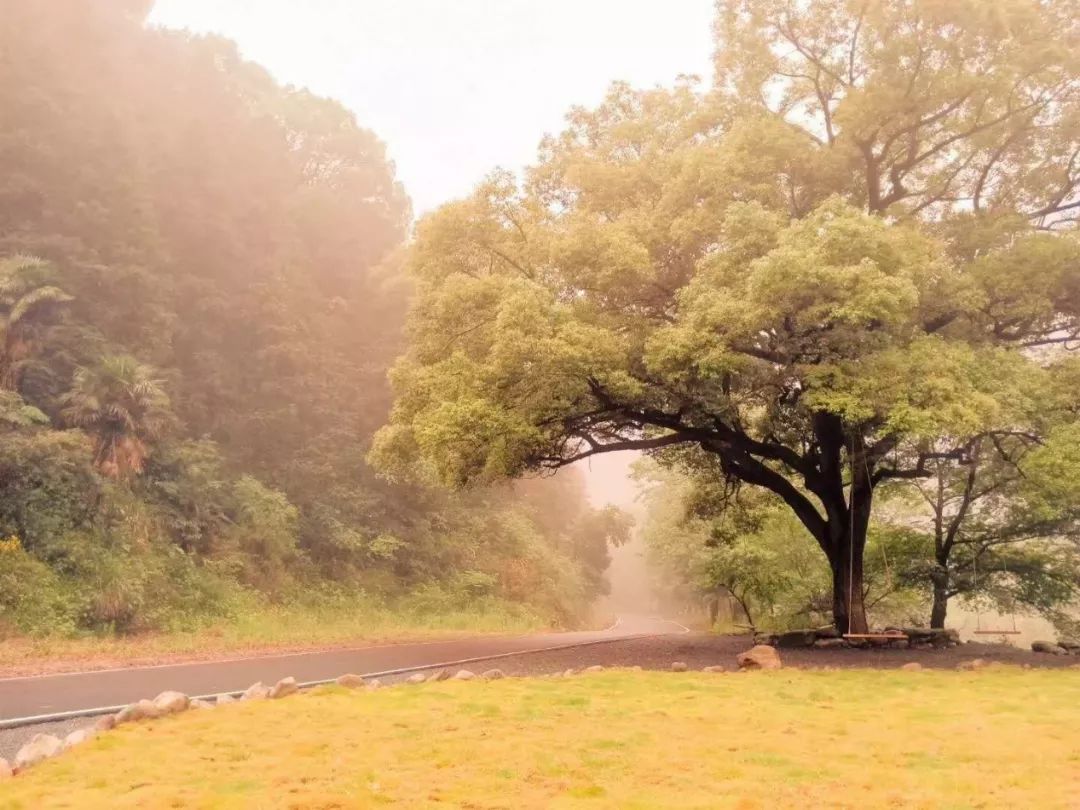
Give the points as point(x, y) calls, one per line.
point(34, 300)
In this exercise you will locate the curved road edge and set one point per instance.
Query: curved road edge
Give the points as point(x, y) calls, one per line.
point(47, 699)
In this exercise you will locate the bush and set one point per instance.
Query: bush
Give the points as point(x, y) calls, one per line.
point(33, 599)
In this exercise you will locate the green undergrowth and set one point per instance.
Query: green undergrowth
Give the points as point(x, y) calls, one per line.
point(996, 738)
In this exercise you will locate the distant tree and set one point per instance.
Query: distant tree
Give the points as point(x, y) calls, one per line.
point(28, 303)
point(836, 262)
point(118, 402)
point(560, 508)
point(985, 535)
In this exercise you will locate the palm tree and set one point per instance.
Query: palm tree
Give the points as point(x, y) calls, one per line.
point(28, 302)
point(118, 403)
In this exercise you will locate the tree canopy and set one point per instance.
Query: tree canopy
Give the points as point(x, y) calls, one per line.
point(821, 279)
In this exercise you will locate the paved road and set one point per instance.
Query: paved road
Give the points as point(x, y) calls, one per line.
point(53, 694)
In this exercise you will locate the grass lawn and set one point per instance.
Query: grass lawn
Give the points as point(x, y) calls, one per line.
point(1000, 738)
point(268, 630)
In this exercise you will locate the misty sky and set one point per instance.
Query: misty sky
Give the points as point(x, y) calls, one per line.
point(456, 87)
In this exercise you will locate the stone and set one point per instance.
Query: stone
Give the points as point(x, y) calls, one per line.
point(678, 666)
point(766, 639)
point(911, 666)
point(171, 702)
point(78, 736)
point(594, 668)
point(497, 674)
point(439, 675)
point(200, 704)
point(224, 699)
point(828, 632)
point(973, 664)
point(1070, 645)
point(1048, 647)
point(284, 688)
point(107, 722)
point(373, 684)
point(40, 748)
point(143, 710)
point(257, 691)
point(829, 643)
point(569, 673)
point(463, 675)
point(759, 657)
point(715, 668)
point(418, 677)
point(350, 681)
point(797, 638)
point(5, 769)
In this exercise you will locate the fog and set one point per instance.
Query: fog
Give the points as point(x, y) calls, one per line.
point(457, 88)
point(609, 481)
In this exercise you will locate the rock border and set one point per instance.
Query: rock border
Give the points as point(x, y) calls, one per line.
point(46, 746)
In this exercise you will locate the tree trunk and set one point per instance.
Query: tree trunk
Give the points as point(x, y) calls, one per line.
point(846, 547)
point(849, 612)
point(941, 599)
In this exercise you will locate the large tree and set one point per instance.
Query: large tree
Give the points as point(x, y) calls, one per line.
point(825, 274)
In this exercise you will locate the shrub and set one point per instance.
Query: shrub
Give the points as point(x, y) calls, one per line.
point(33, 599)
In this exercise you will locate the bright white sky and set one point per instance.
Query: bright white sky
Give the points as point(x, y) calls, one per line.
point(458, 87)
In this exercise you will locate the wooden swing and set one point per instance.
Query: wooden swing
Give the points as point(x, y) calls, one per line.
point(894, 635)
point(886, 636)
point(979, 631)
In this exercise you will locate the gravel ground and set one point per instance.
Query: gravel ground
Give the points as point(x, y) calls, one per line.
point(699, 650)
point(696, 650)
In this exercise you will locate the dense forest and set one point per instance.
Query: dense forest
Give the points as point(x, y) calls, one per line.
point(200, 297)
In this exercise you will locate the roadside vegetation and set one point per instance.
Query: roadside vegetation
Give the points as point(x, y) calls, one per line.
point(996, 738)
point(200, 297)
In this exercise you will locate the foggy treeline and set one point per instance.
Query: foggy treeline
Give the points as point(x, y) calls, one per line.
point(200, 301)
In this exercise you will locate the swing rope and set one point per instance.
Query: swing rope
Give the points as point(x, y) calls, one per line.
point(851, 535)
point(978, 611)
point(851, 554)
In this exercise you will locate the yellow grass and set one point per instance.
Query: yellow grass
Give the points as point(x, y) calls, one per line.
point(1003, 738)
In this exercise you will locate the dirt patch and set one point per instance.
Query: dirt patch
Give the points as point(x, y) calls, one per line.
point(700, 650)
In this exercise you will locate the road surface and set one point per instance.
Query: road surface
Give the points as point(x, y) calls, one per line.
point(55, 694)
